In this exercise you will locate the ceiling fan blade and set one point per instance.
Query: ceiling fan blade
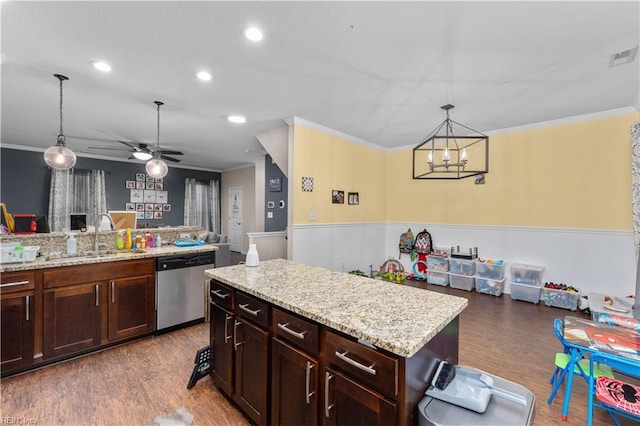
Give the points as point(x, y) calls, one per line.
point(108, 149)
point(166, 157)
point(129, 144)
point(169, 152)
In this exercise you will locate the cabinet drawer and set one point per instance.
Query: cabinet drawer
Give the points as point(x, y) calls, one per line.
point(300, 332)
point(378, 370)
point(252, 309)
point(221, 295)
point(11, 282)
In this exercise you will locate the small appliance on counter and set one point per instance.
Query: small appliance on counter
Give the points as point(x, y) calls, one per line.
point(461, 395)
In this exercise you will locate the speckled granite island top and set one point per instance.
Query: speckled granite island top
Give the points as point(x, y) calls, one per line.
point(393, 317)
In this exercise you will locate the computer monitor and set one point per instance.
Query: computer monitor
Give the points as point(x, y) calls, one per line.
point(78, 221)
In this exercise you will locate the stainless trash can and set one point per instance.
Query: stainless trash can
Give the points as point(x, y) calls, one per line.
point(500, 411)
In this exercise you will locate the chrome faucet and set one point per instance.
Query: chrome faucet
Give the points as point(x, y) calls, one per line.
point(96, 243)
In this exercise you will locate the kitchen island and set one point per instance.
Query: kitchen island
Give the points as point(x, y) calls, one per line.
point(361, 351)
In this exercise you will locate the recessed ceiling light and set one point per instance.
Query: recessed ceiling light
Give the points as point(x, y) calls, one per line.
point(203, 75)
point(102, 66)
point(253, 33)
point(237, 119)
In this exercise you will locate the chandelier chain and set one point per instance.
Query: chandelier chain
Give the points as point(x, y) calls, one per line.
point(61, 119)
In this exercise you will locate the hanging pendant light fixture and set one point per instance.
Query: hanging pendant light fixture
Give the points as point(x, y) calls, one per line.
point(59, 156)
point(451, 154)
point(156, 167)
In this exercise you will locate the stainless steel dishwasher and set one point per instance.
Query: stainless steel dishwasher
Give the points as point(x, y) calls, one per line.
point(180, 290)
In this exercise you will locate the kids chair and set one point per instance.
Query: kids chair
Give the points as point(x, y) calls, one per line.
point(582, 367)
point(616, 397)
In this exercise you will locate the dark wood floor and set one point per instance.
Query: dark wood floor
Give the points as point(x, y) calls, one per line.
point(134, 383)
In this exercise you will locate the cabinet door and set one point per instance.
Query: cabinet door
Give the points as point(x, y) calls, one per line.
point(72, 319)
point(252, 357)
point(346, 402)
point(294, 380)
point(16, 335)
point(221, 342)
point(131, 307)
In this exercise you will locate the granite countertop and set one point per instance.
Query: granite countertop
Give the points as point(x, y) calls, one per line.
point(397, 318)
point(43, 262)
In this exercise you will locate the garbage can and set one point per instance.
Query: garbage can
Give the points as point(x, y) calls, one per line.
point(500, 411)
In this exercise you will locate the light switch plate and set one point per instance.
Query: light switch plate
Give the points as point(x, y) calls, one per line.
point(269, 215)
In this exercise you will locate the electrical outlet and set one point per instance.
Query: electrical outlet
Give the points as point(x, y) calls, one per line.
point(184, 235)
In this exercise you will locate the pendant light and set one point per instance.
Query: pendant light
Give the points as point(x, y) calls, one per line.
point(59, 156)
point(156, 167)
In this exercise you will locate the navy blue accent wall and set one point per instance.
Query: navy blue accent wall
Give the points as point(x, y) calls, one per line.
point(279, 220)
point(25, 180)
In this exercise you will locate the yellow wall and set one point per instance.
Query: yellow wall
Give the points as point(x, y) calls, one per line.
point(336, 163)
point(575, 175)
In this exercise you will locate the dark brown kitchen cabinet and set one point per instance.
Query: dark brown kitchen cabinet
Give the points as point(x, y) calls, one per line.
point(294, 386)
point(347, 402)
point(72, 319)
point(17, 302)
point(131, 307)
point(222, 348)
point(240, 350)
point(251, 376)
point(92, 306)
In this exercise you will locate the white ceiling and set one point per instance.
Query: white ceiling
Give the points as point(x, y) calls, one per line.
point(378, 71)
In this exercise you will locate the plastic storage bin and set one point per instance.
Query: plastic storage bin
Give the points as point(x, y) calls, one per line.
point(488, 286)
point(596, 306)
point(438, 278)
point(526, 274)
point(462, 266)
point(492, 271)
point(463, 282)
point(437, 263)
point(560, 298)
point(15, 253)
point(526, 292)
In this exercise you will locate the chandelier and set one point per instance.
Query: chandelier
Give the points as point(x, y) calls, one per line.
point(59, 156)
point(451, 151)
point(156, 167)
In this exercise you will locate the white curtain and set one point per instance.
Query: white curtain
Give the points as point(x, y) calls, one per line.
point(202, 204)
point(75, 191)
point(60, 200)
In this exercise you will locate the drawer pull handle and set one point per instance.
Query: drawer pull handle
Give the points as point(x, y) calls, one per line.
point(285, 328)
point(345, 358)
point(249, 311)
point(220, 294)
point(308, 394)
point(29, 308)
point(327, 407)
point(113, 292)
point(227, 336)
point(235, 334)
point(15, 283)
point(97, 294)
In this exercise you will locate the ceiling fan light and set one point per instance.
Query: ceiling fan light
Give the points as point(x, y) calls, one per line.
point(157, 168)
point(142, 155)
point(59, 157)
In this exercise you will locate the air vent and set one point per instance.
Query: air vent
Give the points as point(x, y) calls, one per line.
point(624, 57)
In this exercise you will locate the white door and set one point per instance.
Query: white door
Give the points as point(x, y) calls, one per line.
point(235, 219)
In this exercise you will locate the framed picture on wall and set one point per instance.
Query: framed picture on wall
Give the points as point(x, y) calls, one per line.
point(157, 215)
point(140, 185)
point(275, 184)
point(140, 177)
point(166, 207)
point(148, 215)
point(354, 198)
point(130, 207)
point(140, 215)
point(337, 196)
point(140, 207)
point(130, 184)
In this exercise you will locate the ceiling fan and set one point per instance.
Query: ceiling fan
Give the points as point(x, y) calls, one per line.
point(142, 151)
